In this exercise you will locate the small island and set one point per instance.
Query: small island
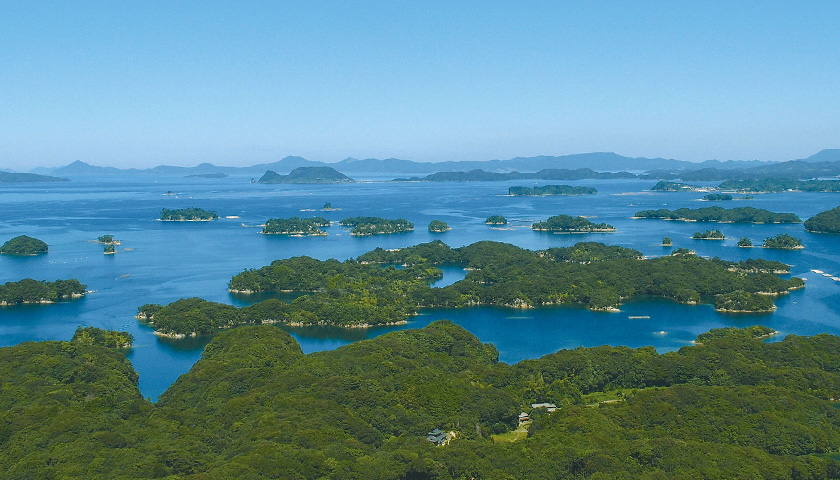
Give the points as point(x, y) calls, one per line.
point(665, 186)
point(717, 197)
point(306, 175)
point(24, 245)
point(719, 214)
point(741, 301)
point(551, 190)
point(745, 242)
point(824, 222)
point(366, 226)
point(709, 235)
point(34, 291)
point(496, 220)
point(107, 240)
point(110, 250)
point(296, 226)
point(438, 226)
point(569, 224)
point(783, 241)
point(103, 338)
point(329, 208)
point(187, 215)
point(666, 242)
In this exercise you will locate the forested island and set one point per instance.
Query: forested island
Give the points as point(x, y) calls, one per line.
point(783, 241)
point(720, 214)
point(9, 177)
point(369, 291)
point(24, 245)
point(824, 222)
point(478, 175)
point(296, 226)
point(709, 235)
point(774, 185)
point(496, 220)
point(255, 406)
point(569, 224)
point(366, 226)
point(306, 175)
point(745, 242)
point(439, 226)
point(717, 197)
point(34, 291)
point(665, 186)
point(187, 215)
point(551, 190)
point(104, 338)
point(107, 239)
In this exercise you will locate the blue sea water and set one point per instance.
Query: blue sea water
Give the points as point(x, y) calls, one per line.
point(160, 262)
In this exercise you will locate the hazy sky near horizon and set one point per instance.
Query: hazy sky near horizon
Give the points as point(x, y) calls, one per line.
point(237, 83)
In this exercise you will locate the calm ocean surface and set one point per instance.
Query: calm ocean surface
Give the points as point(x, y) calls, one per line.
point(160, 262)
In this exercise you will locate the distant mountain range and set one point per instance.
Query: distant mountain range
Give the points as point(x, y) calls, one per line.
point(822, 163)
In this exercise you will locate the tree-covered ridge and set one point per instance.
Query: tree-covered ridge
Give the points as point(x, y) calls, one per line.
point(551, 190)
point(187, 215)
point(766, 185)
point(717, 197)
point(783, 241)
point(496, 220)
point(366, 226)
point(824, 222)
point(569, 224)
point(665, 186)
point(709, 235)
point(254, 406)
point(720, 214)
point(295, 226)
point(24, 245)
point(34, 291)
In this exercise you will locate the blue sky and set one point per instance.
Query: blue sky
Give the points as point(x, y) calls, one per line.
point(237, 83)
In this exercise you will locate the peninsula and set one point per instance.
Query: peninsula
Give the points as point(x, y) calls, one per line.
point(824, 222)
point(255, 406)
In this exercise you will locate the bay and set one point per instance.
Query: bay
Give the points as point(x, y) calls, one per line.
point(160, 262)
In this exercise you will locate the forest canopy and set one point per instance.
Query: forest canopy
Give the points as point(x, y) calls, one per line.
point(254, 406)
